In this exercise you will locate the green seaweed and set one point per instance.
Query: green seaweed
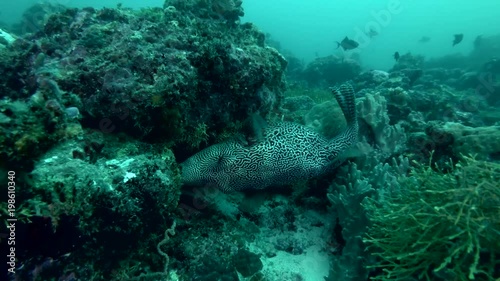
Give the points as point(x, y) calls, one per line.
point(439, 226)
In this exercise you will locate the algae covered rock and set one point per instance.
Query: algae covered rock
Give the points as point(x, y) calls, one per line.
point(247, 263)
point(326, 118)
point(116, 197)
point(156, 73)
point(483, 142)
point(330, 70)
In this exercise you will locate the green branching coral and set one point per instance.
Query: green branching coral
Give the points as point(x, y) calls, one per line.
point(439, 226)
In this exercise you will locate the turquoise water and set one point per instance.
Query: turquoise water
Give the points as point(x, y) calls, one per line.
point(179, 144)
point(310, 28)
point(307, 27)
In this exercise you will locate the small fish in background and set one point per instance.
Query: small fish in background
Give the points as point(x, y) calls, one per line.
point(396, 56)
point(372, 33)
point(458, 39)
point(347, 44)
point(478, 41)
point(424, 39)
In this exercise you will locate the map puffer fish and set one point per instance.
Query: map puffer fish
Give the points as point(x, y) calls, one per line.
point(285, 153)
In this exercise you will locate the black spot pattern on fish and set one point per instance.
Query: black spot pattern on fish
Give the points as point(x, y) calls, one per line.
point(288, 152)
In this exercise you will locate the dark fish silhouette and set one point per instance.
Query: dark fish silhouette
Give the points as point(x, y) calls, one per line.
point(458, 39)
point(347, 44)
point(396, 56)
point(424, 39)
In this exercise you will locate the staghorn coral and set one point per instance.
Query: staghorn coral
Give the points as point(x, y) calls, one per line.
point(439, 226)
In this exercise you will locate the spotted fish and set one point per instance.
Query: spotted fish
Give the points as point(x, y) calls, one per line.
point(286, 153)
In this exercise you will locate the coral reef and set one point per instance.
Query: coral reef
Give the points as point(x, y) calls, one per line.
point(483, 142)
point(347, 195)
point(29, 131)
point(228, 10)
point(331, 70)
point(98, 107)
point(352, 221)
point(6, 39)
point(438, 226)
point(408, 61)
point(326, 118)
point(112, 195)
point(370, 79)
point(34, 18)
point(80, 78)
point(372, 109)
point(137, 71)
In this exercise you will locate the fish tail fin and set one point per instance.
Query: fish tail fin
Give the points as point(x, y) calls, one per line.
point(338, 45)
point(345, 98)
point(337, 147)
